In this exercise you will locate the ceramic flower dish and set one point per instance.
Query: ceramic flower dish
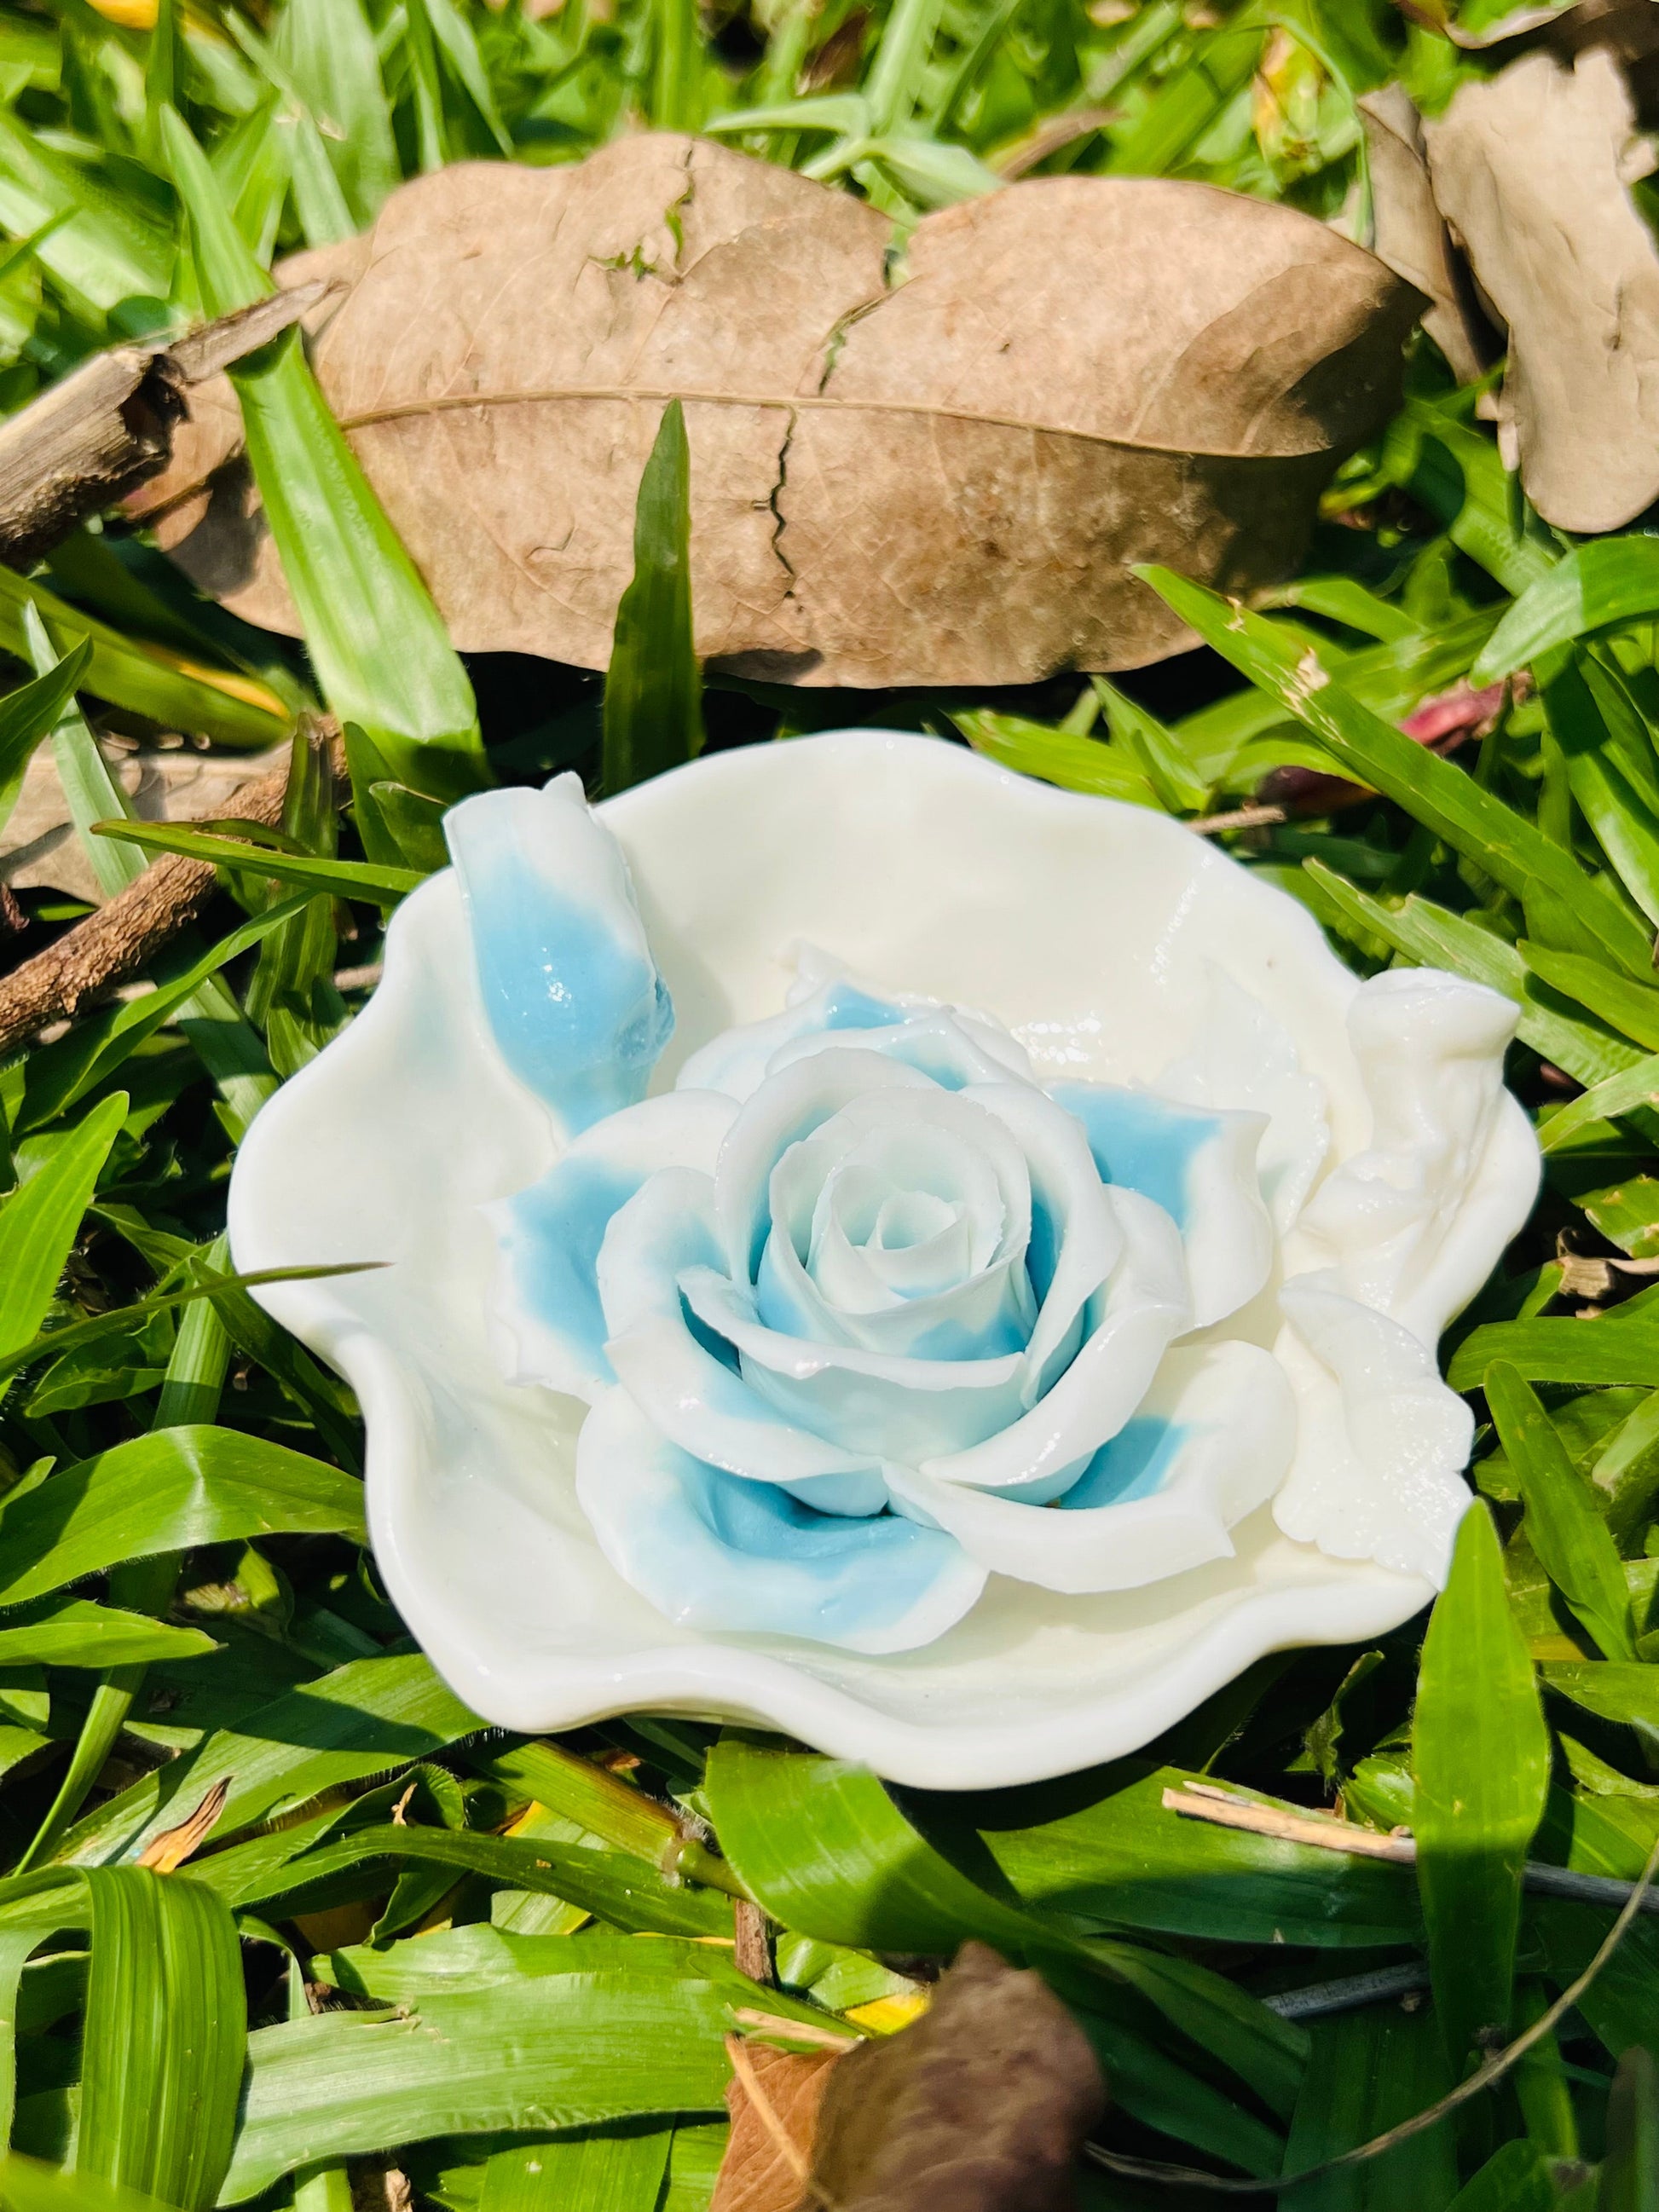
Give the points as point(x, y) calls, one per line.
point(1011, 1312)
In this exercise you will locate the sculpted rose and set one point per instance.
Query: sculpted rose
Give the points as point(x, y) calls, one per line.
point(862, 1225)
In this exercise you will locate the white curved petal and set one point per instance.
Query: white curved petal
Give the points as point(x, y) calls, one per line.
point(1199, 1165)
point(736, 1061)
point(714, 1553)
point(1242, 1057)
point(1146, 1307)
point(986, 1317)
point(790, 1106)
point(923, 1137)
point(545, 1299)
point(679, 1384)
point(827, 1006)
point(903, 1186)
point(1075, 1236)
point(1209, 1443)
point(940, 1045)
point(878, 1403)
point(1381, 1441)
point(1413, 1224)
point(566, 976)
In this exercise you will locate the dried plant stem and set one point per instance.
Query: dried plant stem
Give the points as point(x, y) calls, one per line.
point(1203, 1802)
point(1241, 817)
point(1226, 1811)
point(1503, 2062)
point(122, 937)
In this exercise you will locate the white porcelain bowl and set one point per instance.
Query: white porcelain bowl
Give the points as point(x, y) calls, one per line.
point(1116, 947)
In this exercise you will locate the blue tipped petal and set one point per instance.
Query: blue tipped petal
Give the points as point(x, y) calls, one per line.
point(1141, 1143)
point(1200, 1166)
point(571, 993)
point(545, 1296)
point(1135, 1463)
point(714, 1552)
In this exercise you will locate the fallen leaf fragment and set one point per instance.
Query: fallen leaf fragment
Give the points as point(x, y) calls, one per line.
point(980, 2106)
point(773, 2098)
point(1529, 167)
point(937, 474)
point(1411, 232)
point(175, 1845)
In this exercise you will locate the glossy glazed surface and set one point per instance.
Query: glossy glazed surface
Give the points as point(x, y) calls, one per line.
point(991, 1347)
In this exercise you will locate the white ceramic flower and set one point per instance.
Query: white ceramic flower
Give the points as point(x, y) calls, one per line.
point(974, 1350)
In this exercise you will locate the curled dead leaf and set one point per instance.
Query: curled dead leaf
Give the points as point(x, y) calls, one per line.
point(982, 2104)
point(773, 2099)
point(1530, 167)
point(175, 1845)
point(941, 478)
point(1411, 232)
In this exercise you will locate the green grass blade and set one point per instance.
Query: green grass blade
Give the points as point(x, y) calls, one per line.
point(75, 1632)
point(596, 2174)
point(53, 1342)
point(1631, 1007)
point(364, 1717)
point(1629, 2179)
point(570, 2050)
point(348, 879)
point(26, 714)
point(40, 1221)
point(654, 688)
point(91, 792)
point(109, 246)
point(1481, 1754)
point(164, 2038)
point(1630, 1091)
point(57, 1076)
point(1057, 757)
point(133, 677)
point(165, 1492)
point(1602, 585)
point(1156, 749)
point(1455, 472)
point(1493, 835)
point(1622, 1346)
point(327, 50)
point(1564, 1529)
point(29, 2184)
point(380, 648)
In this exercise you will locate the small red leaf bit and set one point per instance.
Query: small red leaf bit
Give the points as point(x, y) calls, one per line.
point(980, 2106)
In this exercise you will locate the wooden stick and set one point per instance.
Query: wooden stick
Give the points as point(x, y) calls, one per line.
point(1202, 1803)
point(1202, 1800)
point(104, 429)
point(121, 938)
point(1241, 817)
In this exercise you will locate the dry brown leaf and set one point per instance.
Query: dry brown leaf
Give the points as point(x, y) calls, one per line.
point(940, 479)
point(1629, 29)
point(175, 1845)
point(1528, 167)
point(773, 2098)
point(39, 849)
point(982, 2106)
point(1411, 232)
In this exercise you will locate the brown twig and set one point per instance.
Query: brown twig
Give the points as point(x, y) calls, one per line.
point(99, 432)
point(121, 938)
point(1202, 1800)
point(1505, 2061)
point(1241, 817)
